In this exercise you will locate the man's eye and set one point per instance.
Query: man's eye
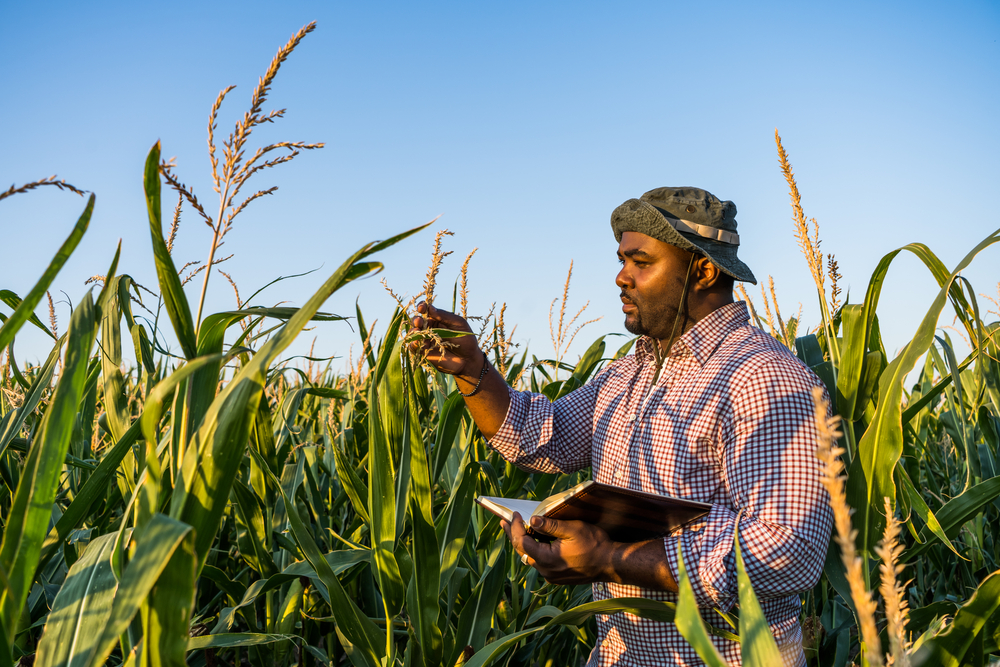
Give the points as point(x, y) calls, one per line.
point(621, 260)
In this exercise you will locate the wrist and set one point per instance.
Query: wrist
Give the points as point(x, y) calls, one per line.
point(611, 558)
point(476, 381)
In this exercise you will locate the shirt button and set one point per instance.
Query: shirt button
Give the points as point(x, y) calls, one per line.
point(618, 474)
point(632, 417)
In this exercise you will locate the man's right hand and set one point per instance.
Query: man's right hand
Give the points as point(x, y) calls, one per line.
point(455, 356)
point(485, 390)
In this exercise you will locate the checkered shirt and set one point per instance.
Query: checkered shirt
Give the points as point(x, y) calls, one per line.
point(730, 421)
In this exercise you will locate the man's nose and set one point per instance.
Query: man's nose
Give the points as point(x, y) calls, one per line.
point(623, 279)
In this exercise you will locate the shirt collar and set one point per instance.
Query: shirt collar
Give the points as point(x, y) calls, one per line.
point(701, 340)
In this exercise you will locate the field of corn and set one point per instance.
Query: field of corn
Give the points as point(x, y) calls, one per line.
point(224, 507)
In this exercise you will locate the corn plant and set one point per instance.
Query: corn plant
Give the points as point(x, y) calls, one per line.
point(220, 505)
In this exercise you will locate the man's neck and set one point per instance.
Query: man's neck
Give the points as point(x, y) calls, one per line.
point(698, 309)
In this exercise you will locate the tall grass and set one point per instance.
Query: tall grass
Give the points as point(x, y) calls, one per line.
point(224, 506)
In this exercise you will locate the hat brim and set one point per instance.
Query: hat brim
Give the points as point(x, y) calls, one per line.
point(636, 215)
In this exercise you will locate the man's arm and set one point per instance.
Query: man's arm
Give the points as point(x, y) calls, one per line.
point(526, 429)
point(462, 358)
point(772, 478)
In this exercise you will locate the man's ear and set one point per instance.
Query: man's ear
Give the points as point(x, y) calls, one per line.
point(705, 273)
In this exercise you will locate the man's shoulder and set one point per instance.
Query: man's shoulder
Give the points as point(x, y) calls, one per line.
point(748, 351)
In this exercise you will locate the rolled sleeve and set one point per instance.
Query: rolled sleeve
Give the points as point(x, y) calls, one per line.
point(545, 436)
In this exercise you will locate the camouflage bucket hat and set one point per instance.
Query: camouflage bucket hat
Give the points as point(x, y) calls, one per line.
point(689, 218)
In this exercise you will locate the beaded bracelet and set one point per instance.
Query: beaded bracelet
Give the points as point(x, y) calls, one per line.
point(482, 374)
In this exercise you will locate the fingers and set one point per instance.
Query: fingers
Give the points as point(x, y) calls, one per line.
point(432, 317)
point(523, 543)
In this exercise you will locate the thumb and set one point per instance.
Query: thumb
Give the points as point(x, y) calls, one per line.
point(446, 319)
point(558, 529)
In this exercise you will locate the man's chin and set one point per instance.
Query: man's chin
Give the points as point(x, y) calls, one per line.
point(634, 326)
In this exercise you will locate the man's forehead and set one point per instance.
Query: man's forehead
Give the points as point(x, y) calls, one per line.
point(634, 243)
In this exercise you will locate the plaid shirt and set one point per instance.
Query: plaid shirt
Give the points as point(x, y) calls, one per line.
point(729, 421)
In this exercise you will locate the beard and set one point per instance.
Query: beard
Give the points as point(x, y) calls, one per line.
point(633, 323)
point(655, 320)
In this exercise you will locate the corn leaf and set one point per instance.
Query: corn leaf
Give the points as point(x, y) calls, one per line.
point(949, 648)
point(425, 584)
point(166, 612)
point(12, 422)
point(757, 645)
point(174, 299)
point(25, 309)
point(882, 442)
point(362, 633)
point(689, 621)
point(31, 509)
point(214, 455)
point(156, 545)
point(230, 640)
point(81, 609)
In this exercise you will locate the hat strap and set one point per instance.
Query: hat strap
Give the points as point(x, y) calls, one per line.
point(704, 231)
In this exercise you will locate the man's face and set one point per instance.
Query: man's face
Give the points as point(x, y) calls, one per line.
point(651, 280)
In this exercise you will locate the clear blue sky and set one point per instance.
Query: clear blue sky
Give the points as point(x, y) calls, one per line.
point(524, 125)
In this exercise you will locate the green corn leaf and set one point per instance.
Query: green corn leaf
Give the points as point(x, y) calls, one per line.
point(166, 612)
point(81, 609)
point(235, 590)
point(589, 361)
point(13, 300)
point(425, 584)
point(12, 422)
point(689, 621)
point(111, 358)
point(382, 495)
point(156, 545)
point(920, 507)
point(339, 562)
point(882, 442)
point(757, 645)
point(447, 431)
point(476, 617)
point(356, 490)
point(31, 508)
point(852, 361)
point(454, 523)
point(362, 633)
point(949, 648)
point(957, 511)
point(254, 550)
point(174, 299)
point(367, 345)
point(92, 492)
point(230, 640)
point(494, 650)
point(214, 455)
point(25, 309)
point(644, 607)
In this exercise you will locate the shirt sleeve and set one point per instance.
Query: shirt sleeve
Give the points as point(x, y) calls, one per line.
point(772, 477)
point(545, 436)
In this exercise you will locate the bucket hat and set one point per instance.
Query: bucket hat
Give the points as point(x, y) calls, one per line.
point(691, 219)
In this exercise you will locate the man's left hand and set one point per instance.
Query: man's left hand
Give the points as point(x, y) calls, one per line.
point(581, 553)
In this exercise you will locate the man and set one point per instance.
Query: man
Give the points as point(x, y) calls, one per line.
point(707, 408)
